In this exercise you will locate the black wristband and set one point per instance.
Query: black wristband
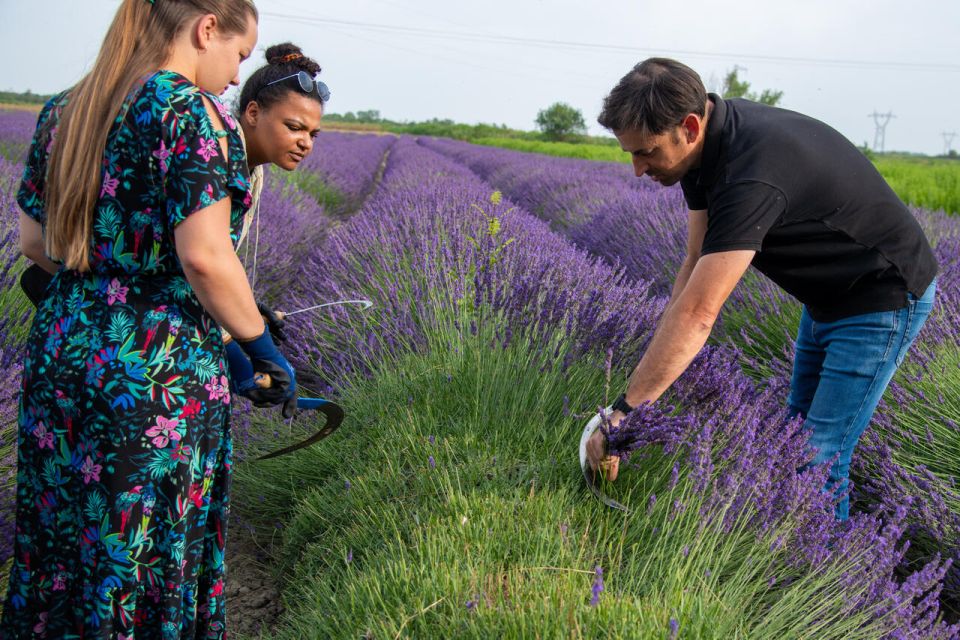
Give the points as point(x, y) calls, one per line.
point(620, 404)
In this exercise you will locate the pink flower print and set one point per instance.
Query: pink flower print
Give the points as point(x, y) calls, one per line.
point(181, 452)
point(41, 627)
point(116, 292)
point(219, 389)
point(90, 470)
point(208, 149)
point(162, 154)
point(225, 114)
point(164, 431)
point(44, 437)
point(109, 185)
point(60, 581)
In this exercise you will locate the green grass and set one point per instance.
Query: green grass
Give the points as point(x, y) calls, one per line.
point(932, 183)
point(15, 306)
point(502, 520)
point(605, 153)
point(310, 183)
point(931, 404)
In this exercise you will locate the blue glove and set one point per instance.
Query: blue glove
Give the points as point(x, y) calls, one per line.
point(241, 371)
point(265, 358)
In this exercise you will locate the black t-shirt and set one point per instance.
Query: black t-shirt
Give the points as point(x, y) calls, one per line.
point(825, 224)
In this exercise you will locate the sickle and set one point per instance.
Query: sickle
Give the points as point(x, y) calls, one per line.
point(588, 474)
point(332, 411)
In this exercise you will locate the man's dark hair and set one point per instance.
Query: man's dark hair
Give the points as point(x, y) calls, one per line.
point(657, 94)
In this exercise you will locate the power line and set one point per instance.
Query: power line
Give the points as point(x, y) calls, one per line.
point(580, 46)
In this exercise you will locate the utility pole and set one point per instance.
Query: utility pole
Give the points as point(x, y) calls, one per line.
point(881, 120)
point(948, 137)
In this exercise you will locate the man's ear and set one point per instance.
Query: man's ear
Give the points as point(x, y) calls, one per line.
point(691, 125)
point(251, 114)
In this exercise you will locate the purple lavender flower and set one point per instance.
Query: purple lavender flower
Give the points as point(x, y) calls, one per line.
point(597, 586)
point(674, 628)
point(432, 462)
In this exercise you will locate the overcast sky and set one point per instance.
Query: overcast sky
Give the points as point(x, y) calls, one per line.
point(501, 61)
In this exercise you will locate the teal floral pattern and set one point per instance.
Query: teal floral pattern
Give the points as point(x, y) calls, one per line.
point(124, 447)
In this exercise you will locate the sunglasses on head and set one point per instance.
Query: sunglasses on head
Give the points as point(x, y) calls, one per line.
point(307, 85)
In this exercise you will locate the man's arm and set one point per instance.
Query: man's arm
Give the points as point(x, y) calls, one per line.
point(686, 324)
point(681, 333)
point(696, 230)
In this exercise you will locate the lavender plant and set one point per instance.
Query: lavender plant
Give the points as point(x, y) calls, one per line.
point(458, 380)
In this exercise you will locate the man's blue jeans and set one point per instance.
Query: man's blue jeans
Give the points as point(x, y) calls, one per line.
point(840, 373)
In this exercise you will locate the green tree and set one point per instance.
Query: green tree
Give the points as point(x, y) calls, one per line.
point(370, 115)
point(734, 87)
point(560, 121)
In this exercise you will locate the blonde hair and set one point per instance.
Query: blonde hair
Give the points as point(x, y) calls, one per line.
point(137, 43)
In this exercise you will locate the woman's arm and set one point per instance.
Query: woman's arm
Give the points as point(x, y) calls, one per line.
point(215, 272)
point(31, 243)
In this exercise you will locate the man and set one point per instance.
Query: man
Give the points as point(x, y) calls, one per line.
point(794, 198)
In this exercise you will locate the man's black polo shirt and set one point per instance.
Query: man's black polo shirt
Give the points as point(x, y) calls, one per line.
point(825, 224)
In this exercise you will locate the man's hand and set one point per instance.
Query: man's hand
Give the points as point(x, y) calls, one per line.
point(597, 458)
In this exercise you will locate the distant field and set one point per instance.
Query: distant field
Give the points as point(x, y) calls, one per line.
point(933, 183)
point(17, 106)
point(604, 153)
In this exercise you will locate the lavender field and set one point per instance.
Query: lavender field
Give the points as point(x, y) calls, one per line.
point(512, 295)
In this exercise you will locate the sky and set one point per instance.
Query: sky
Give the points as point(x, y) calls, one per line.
point(501, 61)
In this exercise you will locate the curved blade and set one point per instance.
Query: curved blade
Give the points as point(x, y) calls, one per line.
point(332, 411)
point(589, 475)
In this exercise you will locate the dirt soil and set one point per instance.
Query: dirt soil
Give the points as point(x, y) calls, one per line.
point(254, 606)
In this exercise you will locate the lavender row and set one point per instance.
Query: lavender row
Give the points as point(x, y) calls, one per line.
point(632, 226)
point(16, 131)
point(424, 245)
point(349, 163)
point(419, 245)
point(396, 251)
point(288, 224)
point(12, 320)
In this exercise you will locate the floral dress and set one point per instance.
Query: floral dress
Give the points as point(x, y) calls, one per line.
point(124, 447)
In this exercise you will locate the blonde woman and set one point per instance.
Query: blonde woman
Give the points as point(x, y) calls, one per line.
point(134, 194)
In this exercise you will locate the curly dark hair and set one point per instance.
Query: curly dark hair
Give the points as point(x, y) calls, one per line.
point(283, 59)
